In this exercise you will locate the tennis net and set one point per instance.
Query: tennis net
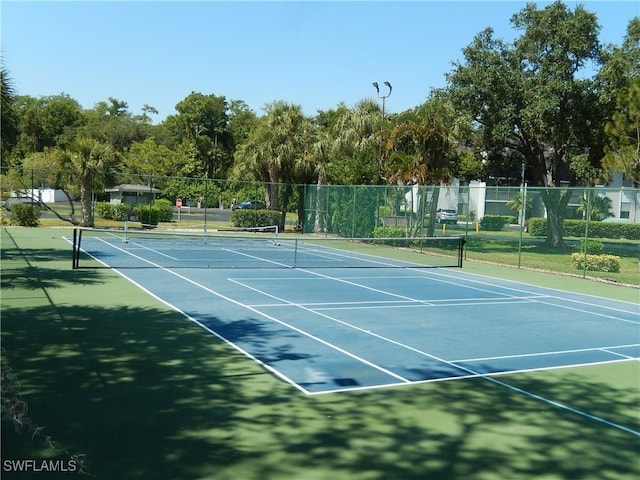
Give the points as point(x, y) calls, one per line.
point(258, 249)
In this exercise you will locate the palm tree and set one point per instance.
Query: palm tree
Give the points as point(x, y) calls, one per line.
point(8, 120)
point(517, 203)
point(275, 148)
point(362, 131)
point(421, 147)
point(84, 160)
point(595, 207)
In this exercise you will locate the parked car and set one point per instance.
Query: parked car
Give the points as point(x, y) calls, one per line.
point(446, 215)
point(249, 204)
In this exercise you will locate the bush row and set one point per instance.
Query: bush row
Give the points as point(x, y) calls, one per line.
point(577, 228)
point(159, 211)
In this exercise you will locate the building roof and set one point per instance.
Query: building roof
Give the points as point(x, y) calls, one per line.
point(132, 188)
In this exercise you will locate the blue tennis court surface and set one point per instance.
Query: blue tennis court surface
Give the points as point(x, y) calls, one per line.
point(338, 329)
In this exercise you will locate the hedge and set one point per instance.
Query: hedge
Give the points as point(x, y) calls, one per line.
point(577, 228)
point(494, 223)
point(390, 232)
point(148, 215)
point(246, 218)
point(110, 211)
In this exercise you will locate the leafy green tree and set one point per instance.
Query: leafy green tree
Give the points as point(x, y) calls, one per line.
point(46, 122)
point(530, 97)
point(203, 121)
point(112, 123)
point(242, 121)
point(152, 159)
point(623, 150)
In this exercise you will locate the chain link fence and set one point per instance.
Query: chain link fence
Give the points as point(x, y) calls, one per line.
point(582, 231)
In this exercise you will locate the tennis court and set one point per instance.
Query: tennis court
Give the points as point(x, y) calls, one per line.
point(398, 370)
point(332, 316)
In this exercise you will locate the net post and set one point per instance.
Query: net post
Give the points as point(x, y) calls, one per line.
point(74, 263)
point(126, 231)
point(77, 239)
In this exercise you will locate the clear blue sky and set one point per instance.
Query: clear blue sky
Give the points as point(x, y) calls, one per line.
point(315, 54)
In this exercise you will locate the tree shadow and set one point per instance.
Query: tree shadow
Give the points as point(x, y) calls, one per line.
point(146, 394)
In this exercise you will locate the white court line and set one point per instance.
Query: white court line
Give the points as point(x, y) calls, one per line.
point(628, 357)
point(488, 281)
point(144, 247)
point(376, 304)
point(557, 352)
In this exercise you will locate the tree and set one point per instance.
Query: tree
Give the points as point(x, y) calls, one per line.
point(84, 161)
point(150, 158)
point(203, 121)
point(358, 149)
point(595, 207)
point(274, 149)
point(47, 122)
point(421, 148)
point(8, 119)
point(530, 97)
point(622, 153)
point(111, 123)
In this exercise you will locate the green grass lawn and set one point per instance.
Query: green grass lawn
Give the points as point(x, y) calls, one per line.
point(110, 372)
point(536, 255)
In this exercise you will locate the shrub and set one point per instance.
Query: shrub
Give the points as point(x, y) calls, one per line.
point(538, 227)
point(596, 263)
point(165, 210)
point(147, 215)
point(594, 247)
point(256, 218)
point(111, 211)
point(121, 211)
point(493, 222)
point(105, 210)
point(389, 232)
point(25, 215)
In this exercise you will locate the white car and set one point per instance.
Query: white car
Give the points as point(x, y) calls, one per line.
point(446, 215)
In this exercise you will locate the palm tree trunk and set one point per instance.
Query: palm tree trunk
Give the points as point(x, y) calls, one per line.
point(86, 211)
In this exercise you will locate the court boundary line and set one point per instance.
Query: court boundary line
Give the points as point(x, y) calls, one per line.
point(557, 352)
point(530, 285)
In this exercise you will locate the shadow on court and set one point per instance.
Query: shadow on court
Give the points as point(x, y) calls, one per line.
point(111, 373)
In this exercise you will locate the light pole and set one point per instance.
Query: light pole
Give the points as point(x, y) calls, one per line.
point(383, 97)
